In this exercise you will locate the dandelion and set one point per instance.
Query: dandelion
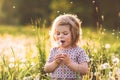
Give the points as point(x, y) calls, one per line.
point(107, 46)
point(115, 60)
point(102, 17)
point(104, 66)
point(11, 65)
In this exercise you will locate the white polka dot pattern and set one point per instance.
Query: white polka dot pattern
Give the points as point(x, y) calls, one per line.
point(77, 54)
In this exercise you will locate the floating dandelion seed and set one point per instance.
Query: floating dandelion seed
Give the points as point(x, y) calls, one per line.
point(71, 2)
point(13, 6)
point(58, 11)
point(102, 17)
point(93, 2)
point(96, 9)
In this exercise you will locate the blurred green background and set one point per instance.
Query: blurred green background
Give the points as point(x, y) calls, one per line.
point(92, 12)
point(25, 43)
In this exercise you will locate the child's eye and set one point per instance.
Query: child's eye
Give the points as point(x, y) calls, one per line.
point(57, 33)
point(65, 33)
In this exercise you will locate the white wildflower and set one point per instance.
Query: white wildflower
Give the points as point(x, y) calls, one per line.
point(107, 46)
point(115, 60)
point(104, 66)
point(11, 65)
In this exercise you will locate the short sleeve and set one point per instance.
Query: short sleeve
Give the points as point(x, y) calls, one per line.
point(51, 55)
point(82, 56)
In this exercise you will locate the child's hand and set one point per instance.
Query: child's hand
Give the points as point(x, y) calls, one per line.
point(66, 59)
point(58, 58)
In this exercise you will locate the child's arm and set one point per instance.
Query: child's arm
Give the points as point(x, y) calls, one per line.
point(51, 66)
point(81, 68)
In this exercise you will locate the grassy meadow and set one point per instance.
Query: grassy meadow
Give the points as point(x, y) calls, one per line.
point(24, 50)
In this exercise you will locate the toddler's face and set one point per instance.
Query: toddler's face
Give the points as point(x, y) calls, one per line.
point(63, 35)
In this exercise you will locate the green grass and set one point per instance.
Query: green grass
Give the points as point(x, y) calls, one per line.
point(19, 30)
point(102, 46)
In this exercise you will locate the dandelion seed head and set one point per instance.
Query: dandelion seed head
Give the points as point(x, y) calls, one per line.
point(11, 65)
point(104, 66)
point(107, 46)
point(115, 60)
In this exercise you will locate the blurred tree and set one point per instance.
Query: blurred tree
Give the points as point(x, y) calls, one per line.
point(92, 12)
point(82, 8)
point(59, 7)
point(26, 10)
point(110, 10)
point(10, 12)
point(1, 13)
point(32, 10)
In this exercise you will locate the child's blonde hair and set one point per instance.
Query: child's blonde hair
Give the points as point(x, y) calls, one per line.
point(73, 22)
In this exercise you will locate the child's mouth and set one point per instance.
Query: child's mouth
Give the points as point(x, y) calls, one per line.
point(62, 41)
